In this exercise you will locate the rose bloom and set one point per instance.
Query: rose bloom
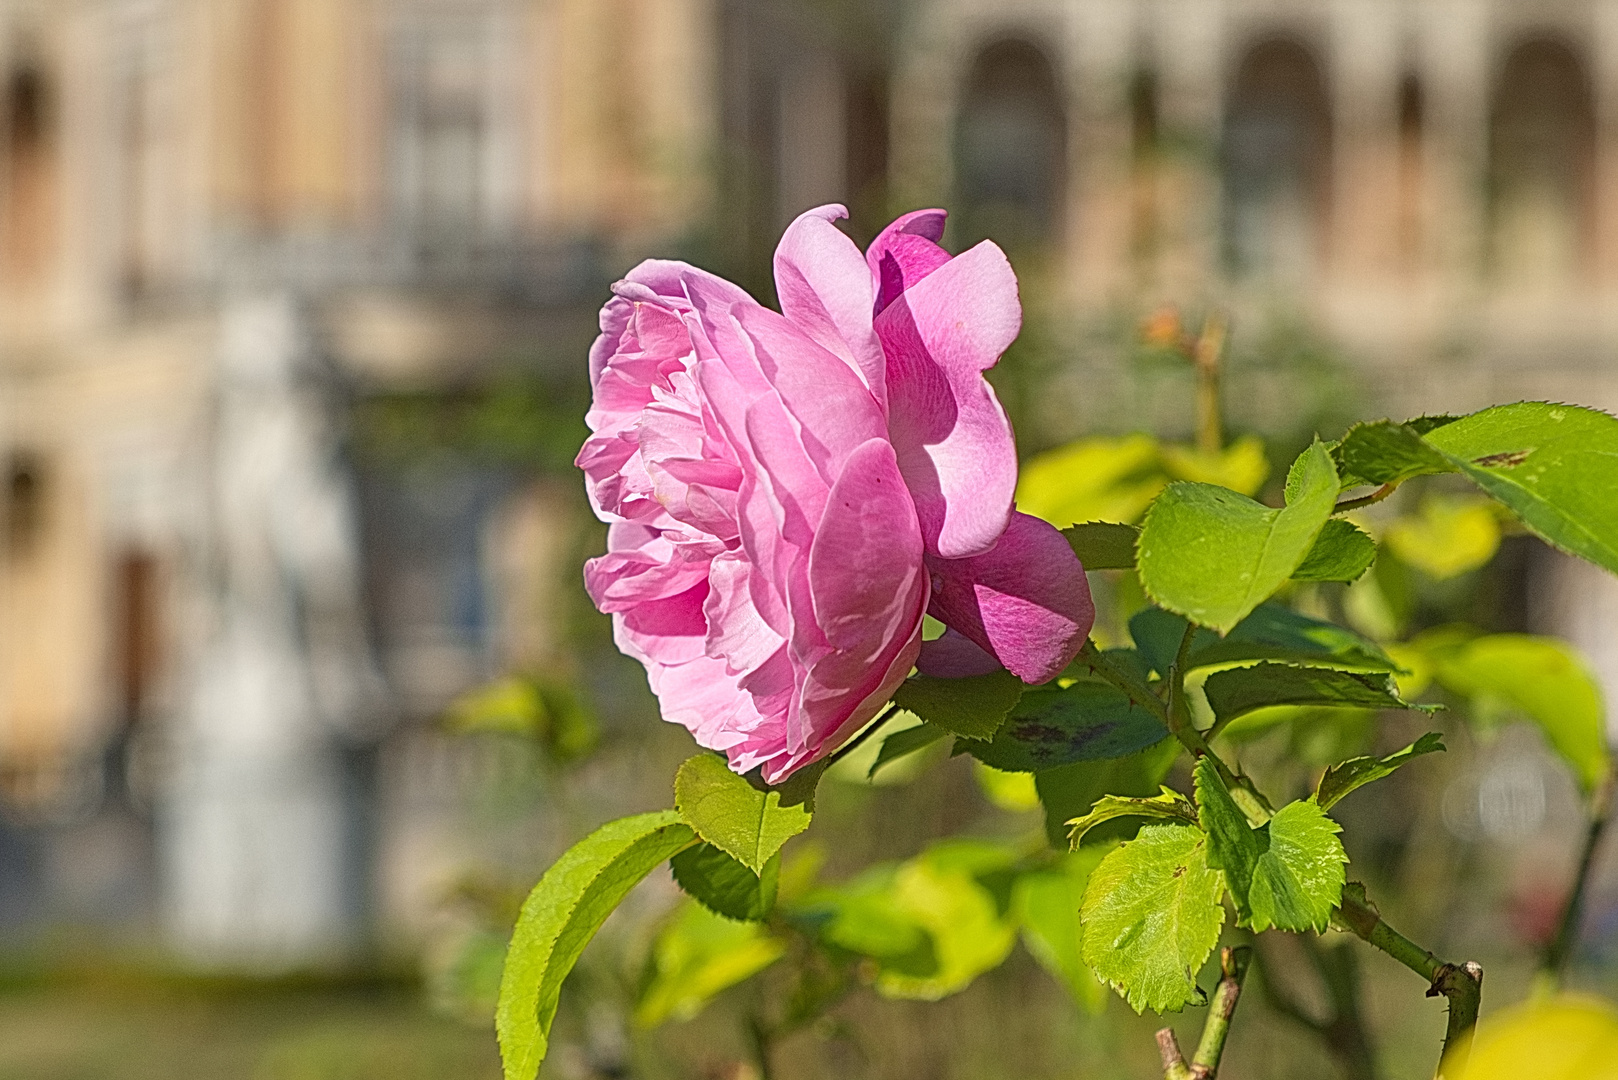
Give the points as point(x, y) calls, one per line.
point(789, 492)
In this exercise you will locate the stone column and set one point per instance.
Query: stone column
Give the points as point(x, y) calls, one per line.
point(258, 868)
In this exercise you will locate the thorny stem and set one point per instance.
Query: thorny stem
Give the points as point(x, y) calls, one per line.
point(1366, 500)
point(1461, 984)
point(1553, 962)
point(1205, 355)
point(870, 729)
point(1215, 1027)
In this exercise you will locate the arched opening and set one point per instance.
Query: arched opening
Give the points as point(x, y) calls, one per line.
point(1541, 166)
point(1011, 148)
point(1277, 163)
point(1412, 170)
point(29, 119)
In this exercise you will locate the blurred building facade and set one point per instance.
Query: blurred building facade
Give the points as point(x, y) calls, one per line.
point(222, 221)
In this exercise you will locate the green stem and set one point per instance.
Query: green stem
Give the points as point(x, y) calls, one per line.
point(1553, 963)
point(1366, 500)
point(1233, 967)
point(1461, 984)
point(1206, 355)
point(759, 1038)
point(870, 729)
point(1252, 802)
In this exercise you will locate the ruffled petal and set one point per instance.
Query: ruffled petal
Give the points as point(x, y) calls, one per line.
point(954, 442)
point(904, 253)
point(1026, 600)
point(825, 290)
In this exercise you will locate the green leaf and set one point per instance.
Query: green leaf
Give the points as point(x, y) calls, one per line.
point(725, 886)
point(1052, 726)
point(1072, 790)
point(1343, 778)
point(1233, 846)
point(1287, 873)
point(1170, 805)
point(1341, 553)
point(1555, 466)
point(1271, 632)
point(1103, 545)
point(1384, 452)
point(1236, 691)
point(861, 916)
point(1152, 915)
point(749, 823)
point(543, 709)
point(1544, 678)
point(1298, 879)
point(903, 743)
point(969, 935)
point(1094, 479)
point(1448, 537)
point(973, 707)
point(1047, 904)
point(1213, 555)
point(560, 917)
point(697, 955)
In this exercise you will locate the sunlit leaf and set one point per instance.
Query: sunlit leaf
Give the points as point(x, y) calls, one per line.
point(1052, 726)
point(1354, 773)
point(972, 707)
point(522, 705)
point(1013, 791)
point(1341, 553)
point(1383, 452)
point(1298, 879)
point(1287, 873)
point(697, 955)
point(1169, 805)
point(1242, 466)
point(1213, 555)
point(1567, 1037)
point(560, 917)
point(1552, 465)
point(747, 822)
point(1152, 915)
point(1236, 691)
point(724, 885)
point(1448, 537)
point(1047, 905)
point(1094, 479)
point(969, 935)
point(1545, 679)
point(1103, 545)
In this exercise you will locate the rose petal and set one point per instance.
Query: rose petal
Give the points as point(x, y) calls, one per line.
point(825, 290)
point(1026, 600)
point(954, 656)
point(954, 442)
point(904, 253)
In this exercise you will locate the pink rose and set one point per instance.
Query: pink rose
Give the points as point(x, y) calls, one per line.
point(789, 492)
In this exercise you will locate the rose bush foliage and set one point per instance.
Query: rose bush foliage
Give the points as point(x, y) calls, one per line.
point(789, 492)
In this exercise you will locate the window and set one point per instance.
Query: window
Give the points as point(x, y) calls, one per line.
point(29, 134)
point(441, 128)
point(1011, 148)
point(1541, 166)
point(1277, 164)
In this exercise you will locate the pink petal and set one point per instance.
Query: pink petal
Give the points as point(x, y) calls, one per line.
point(869, 590)
point(825, 290)
point(1026, 600)
point(641, 564)
point(954, 442)
point(904, 253)
point(954, 656)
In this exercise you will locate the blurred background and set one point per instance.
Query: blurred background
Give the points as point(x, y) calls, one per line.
point(299, 689)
